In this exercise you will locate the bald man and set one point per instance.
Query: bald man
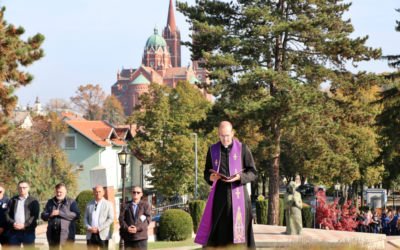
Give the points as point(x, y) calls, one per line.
point(227, 216)
point(98, 217)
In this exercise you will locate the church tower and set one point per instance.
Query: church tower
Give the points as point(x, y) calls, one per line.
point(172, 36)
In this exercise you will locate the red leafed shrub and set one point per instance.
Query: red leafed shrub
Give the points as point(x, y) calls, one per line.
point(326, 214)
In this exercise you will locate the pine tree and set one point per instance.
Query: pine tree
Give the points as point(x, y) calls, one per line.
point(13, 54)
point(388, 122)
point(267, 60)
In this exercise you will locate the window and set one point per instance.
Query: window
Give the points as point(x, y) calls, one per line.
point(70, 142)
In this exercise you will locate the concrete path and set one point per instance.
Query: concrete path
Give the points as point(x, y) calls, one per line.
point(180, 248)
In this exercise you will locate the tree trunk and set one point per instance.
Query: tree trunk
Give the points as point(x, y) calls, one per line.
point(273, 187)
point(302, 179)
point(263, 186)
point(362, 195)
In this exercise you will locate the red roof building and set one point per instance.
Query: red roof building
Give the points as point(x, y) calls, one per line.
point(161, 63)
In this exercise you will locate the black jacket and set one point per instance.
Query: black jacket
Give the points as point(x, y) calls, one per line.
point(31, 213)
point(69, 212)
point(3, 221)
point(127, 218)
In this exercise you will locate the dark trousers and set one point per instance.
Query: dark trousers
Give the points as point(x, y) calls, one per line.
point(19, 236)
point(4, 240)
point(95, 242)
point(136, 245)
point(393, 230)
point(54, 243)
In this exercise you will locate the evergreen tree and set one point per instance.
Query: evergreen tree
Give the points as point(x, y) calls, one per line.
point(163, 136)
point(267, 60)
point(14, 53)
point(388, 122)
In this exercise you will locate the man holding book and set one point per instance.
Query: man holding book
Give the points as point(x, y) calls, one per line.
point(227, 216)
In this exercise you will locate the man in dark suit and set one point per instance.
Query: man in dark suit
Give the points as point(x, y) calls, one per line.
point(134, 218)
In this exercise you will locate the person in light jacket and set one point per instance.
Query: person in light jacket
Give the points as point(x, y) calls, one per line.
point(60, 213)
point(98, 217)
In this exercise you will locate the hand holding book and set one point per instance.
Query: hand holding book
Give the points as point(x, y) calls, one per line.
point(223, 177)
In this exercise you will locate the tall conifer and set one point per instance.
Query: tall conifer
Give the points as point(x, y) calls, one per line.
point(388, 121)
point(267, 60)
point(14, 53)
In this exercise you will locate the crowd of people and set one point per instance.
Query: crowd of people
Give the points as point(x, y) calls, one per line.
point(19, 215)
point(387, 223)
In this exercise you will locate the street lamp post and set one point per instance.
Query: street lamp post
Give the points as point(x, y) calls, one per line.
point(337, 188)
point(195, 161)
point(394, 197)
point(123, 158)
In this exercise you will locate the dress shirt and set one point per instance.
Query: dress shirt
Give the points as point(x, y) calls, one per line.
point(135, 208)
point(19, 216)
point(96, 213)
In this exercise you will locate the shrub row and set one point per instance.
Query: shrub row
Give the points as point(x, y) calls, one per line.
point(262, 214)
point(196, 211)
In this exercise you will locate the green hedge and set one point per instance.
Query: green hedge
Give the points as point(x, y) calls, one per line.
point(262, 211)
point(281, 212)
point(262, 214)
point(196, 211)
point(82, 199)
point(175, 225)
point(307, 217)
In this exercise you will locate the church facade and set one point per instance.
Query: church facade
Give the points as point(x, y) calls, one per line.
point(161, 63)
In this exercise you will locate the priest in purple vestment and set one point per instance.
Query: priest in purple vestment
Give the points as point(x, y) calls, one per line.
point(227, 218)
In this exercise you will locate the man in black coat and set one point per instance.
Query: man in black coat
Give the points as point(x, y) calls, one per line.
point(61, 213)
point(22, 214)
point(222, 223)
point(134, 219)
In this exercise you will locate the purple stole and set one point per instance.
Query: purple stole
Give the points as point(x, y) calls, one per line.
point(238, 207)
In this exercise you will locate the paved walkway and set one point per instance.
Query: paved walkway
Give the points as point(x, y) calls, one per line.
point(180, 248)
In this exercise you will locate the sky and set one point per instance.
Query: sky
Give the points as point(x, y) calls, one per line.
point(87, 41)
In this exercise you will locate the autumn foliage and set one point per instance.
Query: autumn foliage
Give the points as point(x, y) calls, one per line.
point(327, 214)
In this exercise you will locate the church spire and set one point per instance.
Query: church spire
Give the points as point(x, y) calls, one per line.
point(171, 17)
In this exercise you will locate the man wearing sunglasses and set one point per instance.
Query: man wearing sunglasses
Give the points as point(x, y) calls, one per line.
point(22, 214)
point(98, 217)
point(134, 218)
point(4, 232)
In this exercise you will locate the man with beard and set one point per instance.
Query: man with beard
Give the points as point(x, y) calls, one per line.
point(61, 213)
point(227, 218)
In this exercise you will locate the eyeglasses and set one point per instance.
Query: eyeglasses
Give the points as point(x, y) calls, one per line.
point(134, 192)
point(22, 187)
point(95, 206)
point(225, 136)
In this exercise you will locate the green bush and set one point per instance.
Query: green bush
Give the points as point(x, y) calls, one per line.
point(281, 212)
point(262, 211)
point(281, 196)
point(82, 199)
point(175, 225)
point(307, 217)
point(196, 211)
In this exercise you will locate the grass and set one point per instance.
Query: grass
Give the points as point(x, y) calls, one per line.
point(170, 244)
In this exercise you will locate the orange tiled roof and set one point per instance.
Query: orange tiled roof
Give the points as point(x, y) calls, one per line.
point(100, 132)
point(65, 114)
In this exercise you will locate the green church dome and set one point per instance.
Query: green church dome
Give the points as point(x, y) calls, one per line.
point(156, 40)
point(140, 80)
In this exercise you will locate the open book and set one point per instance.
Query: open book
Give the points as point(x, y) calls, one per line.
point(226, 177)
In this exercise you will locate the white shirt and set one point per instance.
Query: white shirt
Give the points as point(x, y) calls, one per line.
point(96, 213)
point(19, 216)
